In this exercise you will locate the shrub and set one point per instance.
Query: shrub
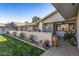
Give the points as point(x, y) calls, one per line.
point(31, 37)
point(22, 35)
point(71, 37)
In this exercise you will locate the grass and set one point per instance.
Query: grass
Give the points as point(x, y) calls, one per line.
point(13, 47)
point(2, 39)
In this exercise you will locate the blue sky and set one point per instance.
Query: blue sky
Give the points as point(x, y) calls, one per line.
point(21, 12)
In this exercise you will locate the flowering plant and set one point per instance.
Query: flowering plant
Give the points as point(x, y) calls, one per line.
point(46, 43)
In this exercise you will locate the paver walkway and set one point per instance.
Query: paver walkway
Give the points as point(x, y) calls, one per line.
point(64, 49)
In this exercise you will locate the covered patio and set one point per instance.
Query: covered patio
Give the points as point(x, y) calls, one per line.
point(64, 49)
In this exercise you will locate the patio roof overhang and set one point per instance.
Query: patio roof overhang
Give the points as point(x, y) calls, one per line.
point(67, 10)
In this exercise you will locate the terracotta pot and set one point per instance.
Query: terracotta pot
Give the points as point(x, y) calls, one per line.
point(54, 41)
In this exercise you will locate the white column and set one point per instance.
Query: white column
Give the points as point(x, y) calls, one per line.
point(41, 26)
point(78, 28)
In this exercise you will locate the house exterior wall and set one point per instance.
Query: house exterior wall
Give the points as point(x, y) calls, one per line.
point(50, 22)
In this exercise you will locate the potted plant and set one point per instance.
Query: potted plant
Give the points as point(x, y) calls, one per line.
point(46, 44)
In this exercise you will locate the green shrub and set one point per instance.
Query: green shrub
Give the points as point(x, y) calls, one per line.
point(71, 37)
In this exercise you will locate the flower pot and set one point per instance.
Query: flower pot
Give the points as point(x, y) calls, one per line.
point(54, 41)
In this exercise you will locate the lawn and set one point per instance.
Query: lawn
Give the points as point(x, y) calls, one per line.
point(2, 39)
point(13, 47)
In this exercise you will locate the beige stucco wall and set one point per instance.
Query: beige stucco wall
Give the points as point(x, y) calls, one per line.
point(54, 18)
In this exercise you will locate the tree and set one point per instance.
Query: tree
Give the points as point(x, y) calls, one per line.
point(35, 18)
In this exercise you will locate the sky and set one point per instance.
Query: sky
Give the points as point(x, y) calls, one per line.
point(21, 12)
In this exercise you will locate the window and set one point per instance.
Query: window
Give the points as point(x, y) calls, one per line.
point(65, 27)
point(62, 27)
point(58, 27)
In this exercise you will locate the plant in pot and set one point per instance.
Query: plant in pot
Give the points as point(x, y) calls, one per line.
point(54, 41)
point(46, 44)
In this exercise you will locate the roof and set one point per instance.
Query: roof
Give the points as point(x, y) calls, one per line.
point(30, 24)
point(19, 24)
point(2, 24)
point(52, 13)
point(67, 10)
point(22, 24)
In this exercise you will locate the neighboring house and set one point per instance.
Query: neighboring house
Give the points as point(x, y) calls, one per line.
point(2, 28)
point(34, 26)
point(19, 26)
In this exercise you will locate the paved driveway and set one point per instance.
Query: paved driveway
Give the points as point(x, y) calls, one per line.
point(64, 49)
